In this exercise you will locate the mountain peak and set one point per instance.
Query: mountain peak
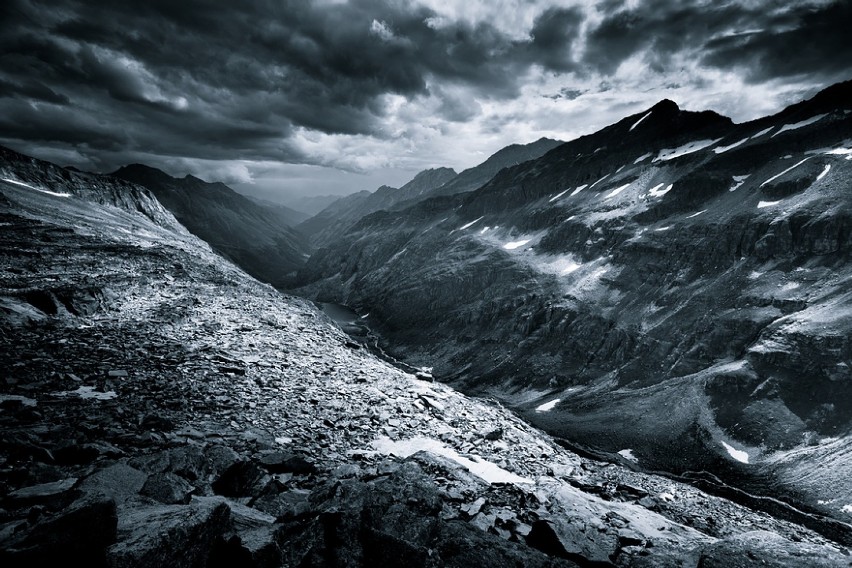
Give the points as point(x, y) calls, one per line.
point(665, 105)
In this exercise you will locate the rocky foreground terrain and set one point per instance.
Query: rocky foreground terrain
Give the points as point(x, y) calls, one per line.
point(160, 407)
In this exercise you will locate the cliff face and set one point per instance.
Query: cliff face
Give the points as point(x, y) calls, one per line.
point(161, 407)
point(672, 281)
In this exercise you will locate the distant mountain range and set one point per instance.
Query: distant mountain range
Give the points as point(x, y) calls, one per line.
point(334, 220)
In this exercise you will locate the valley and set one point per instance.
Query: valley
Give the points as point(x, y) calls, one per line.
point(619, 353)
point(673, 287)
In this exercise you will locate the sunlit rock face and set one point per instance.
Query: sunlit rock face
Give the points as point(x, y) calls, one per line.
point(678, 281)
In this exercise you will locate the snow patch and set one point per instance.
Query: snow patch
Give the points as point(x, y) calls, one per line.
point(485, 470)
point(738, 455)
point(761, 133)
point(512, 245)
point(776, 176)
point(578, 190)
point(628, 455)
point(840, 152)
point(42, 190)
point(846, 508)
point(688, 148)
point(557, 196)
point(618, 190)
point(739, 180)
point(824, 172)
point(800, 124)
point(597, 182)
point(764, 204)
point(485, 230)
point(548, 406)
point(721, 149)
point(657, 192)
point(570, 268)
point(469, 225)
point(88, 392)
point(638, 122)
point(696, 214)
point(643, 157)
point(666, 228)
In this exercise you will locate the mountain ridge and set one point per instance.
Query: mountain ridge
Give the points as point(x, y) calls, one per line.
point(255, 236)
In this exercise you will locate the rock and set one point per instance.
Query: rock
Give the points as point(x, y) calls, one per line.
point(242, 479)
point(473, 508)
point(42, 493)
point(494, 435)
point(346, 471)
point(562, 539)
point(251, 541)
point(168, 488)
point(169, 535)
point(284, 505)
point(157, 422)
point(220, 458)
point(76, 454)
point(287, 462)
point(117, 373)
point(119, 481)
point(78, 535)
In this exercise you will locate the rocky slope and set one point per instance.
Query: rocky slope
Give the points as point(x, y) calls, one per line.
point(160, 407)
point(674, 287)
point(256, 237)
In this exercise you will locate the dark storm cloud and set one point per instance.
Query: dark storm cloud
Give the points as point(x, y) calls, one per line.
point(815, 41)
point(232, 79)
point(767, 41)
point(238, 80)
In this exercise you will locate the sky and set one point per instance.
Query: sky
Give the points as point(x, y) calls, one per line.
point(282, 98)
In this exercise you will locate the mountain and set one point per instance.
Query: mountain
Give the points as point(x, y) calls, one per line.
point(254, 236)
point(312, 204)
point(512, 155)
point(288, 215)
point(333, 221)
point(672, 288)
point(161, 407)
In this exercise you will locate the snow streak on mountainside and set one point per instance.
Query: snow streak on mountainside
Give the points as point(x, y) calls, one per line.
point(680, 284)
point(161, 407)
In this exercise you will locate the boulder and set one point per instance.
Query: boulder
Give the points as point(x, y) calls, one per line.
point(169, 535)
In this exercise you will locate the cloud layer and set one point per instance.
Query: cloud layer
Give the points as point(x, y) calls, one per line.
point(364, 85)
